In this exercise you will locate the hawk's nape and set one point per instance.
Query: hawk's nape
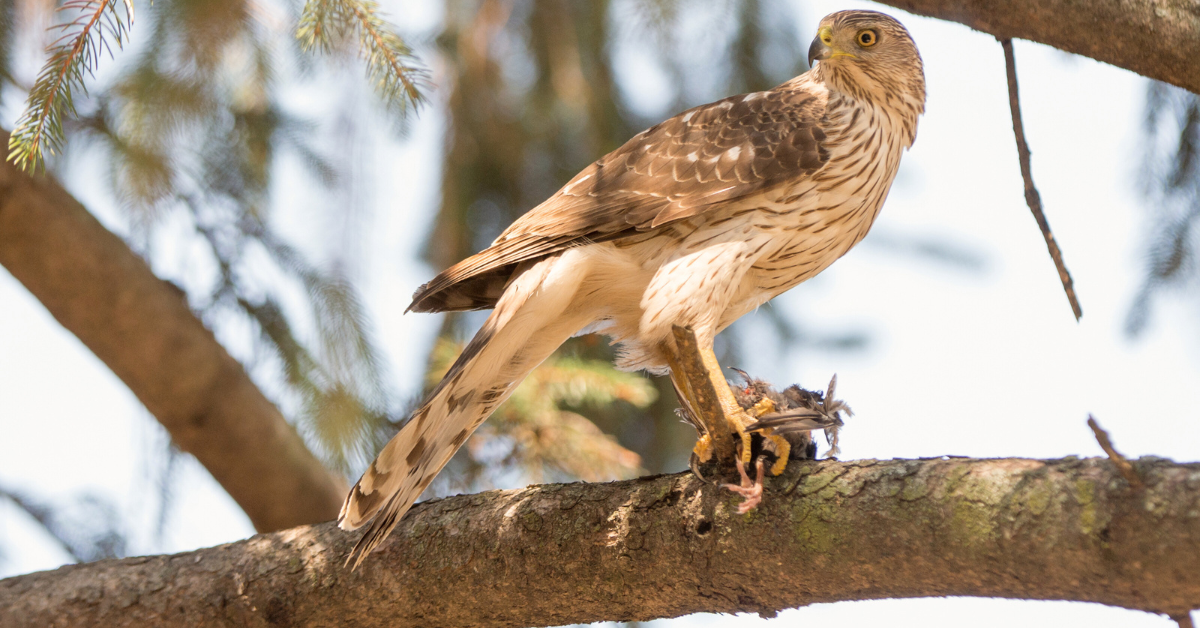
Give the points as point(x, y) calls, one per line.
point(692, 223)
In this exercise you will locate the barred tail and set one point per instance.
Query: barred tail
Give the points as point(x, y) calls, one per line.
point(530, 321)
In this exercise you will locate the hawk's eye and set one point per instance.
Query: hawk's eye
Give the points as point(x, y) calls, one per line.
point(867, 38)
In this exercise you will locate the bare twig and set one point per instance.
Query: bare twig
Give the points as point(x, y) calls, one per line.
point(1032, 198)
point(1127, 471)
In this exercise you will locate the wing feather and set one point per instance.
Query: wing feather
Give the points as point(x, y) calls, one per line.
point(705, 157)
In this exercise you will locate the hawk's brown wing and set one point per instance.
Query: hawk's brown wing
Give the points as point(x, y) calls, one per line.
point(701, 159)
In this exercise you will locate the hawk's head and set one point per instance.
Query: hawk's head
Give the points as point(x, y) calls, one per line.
point(869, 54)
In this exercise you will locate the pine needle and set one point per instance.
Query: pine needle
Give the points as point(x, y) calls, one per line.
point(391, 65)
point(39, 130)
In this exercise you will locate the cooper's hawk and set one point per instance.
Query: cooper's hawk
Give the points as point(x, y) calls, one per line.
point(693, 222)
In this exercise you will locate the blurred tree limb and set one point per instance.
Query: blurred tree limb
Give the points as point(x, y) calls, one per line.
point(665, 546)
point(142, 328)
point(1159, 39)
point(1171, 187)
point(86, 528)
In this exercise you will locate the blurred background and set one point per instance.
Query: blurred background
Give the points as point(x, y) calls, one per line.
point(299, 211)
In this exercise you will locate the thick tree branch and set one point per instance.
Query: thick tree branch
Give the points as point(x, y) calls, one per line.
point(142, 328)
point(669, 545)
point(1159, 39)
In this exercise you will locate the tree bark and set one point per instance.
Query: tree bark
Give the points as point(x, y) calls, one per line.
point(143, 329)
point(670, 545)
point(1159, 39)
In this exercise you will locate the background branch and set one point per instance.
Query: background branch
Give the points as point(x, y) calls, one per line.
point(142, 328)
point(1159, 39)
point(669, 545)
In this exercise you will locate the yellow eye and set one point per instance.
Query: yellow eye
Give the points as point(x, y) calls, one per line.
point(867, 38)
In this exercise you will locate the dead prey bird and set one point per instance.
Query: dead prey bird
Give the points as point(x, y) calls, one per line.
point(793, 414)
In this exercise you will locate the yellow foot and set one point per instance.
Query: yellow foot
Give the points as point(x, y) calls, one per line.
point(746, 437)
point(764, 406)
point(780, 445)
point(703, 448)
point(783, 448)
point(739, 419)
point(751, 490)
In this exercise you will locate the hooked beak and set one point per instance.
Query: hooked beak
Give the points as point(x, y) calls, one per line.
point(822, 47)
point(818, 51)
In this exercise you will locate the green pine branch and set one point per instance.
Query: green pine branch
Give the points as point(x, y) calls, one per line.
point(39, 130)
point(391, 65)
point(339, 377)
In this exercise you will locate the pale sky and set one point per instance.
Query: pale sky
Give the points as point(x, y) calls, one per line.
point(988, 363)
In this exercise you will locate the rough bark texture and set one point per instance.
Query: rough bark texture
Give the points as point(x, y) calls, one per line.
point(142, 328)
point(1159, 39)
point(669, 545)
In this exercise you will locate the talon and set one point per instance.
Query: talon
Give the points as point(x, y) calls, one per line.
point(779, 467)
point(694, 465)
point(783, 449)
point(752, 491)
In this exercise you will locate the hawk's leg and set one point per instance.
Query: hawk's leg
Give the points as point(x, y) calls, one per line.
point(698, 414)
point(699, 380)
point(732, 413)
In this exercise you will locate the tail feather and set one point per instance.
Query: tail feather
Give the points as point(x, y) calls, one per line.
point(530, 321)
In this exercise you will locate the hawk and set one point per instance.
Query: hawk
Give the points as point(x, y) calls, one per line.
point(693, 222)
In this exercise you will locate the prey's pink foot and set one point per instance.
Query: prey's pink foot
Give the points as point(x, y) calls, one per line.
point(751, 490)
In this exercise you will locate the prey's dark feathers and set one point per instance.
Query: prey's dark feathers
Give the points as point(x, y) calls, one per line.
point(797, 413)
